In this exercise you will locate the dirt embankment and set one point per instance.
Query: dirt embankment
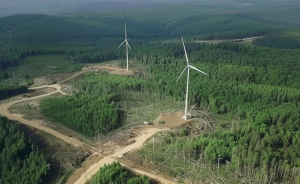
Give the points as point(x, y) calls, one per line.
point(141, 135)
point(89, 171)
point(145, 134)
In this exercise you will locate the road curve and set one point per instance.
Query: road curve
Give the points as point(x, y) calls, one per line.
point(106, 160)
point(4, 108)
point(17, 117)
point(56, 86)
point(146, 133)
point(92, 67)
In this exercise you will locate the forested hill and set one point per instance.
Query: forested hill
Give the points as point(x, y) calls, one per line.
point(94, 37)
point(101, 32)
point(255, 86)
point(158, 23)
point(92, 27)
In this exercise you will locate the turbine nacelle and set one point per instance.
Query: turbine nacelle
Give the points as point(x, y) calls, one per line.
point(188, 66)
point(127, 45)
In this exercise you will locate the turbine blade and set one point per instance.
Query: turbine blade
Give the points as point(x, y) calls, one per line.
point(197, 69)
point(125, 32)
point(182, 73)
point(128, 44)
point(187, 59)
point(121, 44)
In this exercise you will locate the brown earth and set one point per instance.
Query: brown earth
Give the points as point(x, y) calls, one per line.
point(50, 79)
point(170, 120)
point(92, 159)
point(38, 92)
point(145, 134)
point(136, 142)
point(56, 152)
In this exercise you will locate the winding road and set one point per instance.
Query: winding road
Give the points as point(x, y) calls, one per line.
point(18, 117)
point(146, 133)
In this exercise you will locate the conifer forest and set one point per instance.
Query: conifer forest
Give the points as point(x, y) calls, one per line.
point(251, 96)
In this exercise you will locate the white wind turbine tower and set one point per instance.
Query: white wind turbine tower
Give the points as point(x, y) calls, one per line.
point(187, 82)
point(127, 45)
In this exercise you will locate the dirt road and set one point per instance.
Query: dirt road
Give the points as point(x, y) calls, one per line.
point(18, 117)
point(146, 133)
point(56, 86)
point(93, 67)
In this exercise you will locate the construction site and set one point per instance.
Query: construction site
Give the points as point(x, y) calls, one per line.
point(81, 156)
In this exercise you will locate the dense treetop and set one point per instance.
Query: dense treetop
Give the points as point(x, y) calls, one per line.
point(116, 174)
point(256, 85)
point(18, 163)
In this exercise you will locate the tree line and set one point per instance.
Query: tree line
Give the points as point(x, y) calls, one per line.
point(19, 163)
point(82, 112)
point(92, 110)
point(279, 41)
point(7, 91)
point(114, 173)
point(35, 34)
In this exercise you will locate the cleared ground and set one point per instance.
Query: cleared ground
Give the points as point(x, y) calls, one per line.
point(143, 133)
point(248, 40)
point(57, 152)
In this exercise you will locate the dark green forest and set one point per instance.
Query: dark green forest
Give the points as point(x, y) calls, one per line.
point(254, 85)
point(116, 174)
point(245, 82)
point(11, 90)
point(248, 83)
point(280, 41)
point(92, 37)
point(19, 163)
point(83, 112)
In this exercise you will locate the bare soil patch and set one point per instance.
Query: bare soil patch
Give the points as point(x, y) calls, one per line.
point(170, 120)
point(30, 109)
point(123, 73)
point(29, 94)
point(128, 142)
point(38, 92)
point(14, 98)
point(146, 166)
point(68, 89)
point(144, 134)
point(87, 164)
point(50, 79)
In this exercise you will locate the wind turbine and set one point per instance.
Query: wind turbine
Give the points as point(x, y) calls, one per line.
point(187, 81)
point(127, 45)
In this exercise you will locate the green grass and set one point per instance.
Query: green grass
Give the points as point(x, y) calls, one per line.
point(146, 106)
point(36, 66)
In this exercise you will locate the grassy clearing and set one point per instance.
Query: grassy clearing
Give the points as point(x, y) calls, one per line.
point(247, 41)
point(169, 158)
point(139, 106)
point(172, 155)
point(36, 66)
